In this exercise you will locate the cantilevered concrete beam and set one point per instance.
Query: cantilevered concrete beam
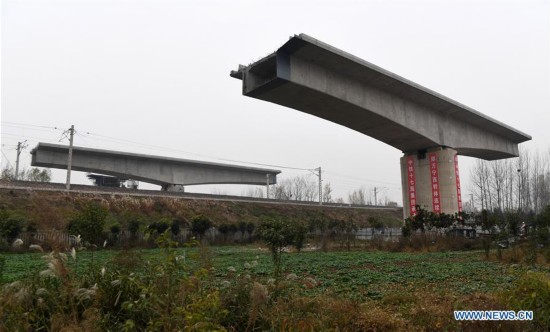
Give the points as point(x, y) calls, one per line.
point(313, 77)
point(163, 171)
point(318, 79)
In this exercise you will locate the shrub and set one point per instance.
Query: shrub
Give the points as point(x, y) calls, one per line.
point(277, 233)
point(406, 230)
point(175, 227)
point(89, 223)
point(133, 227)
point(115, 229)
point(10, 227)
point(224, 229)
point(242, 228)
point(250, 226)
point(344, 230)
point(299, 230)
point(158, 227)
point(375, 222)
point(200, 225)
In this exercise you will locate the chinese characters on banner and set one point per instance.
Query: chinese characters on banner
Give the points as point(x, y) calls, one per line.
point(411, 185)
point(458, 194)
point(436, 195)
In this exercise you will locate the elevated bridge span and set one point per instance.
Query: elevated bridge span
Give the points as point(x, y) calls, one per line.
point(430, 129)
point(166, 172)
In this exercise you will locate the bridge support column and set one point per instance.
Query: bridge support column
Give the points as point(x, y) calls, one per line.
point(430, 181)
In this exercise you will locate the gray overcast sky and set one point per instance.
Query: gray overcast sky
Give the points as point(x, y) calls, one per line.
point(157, 73)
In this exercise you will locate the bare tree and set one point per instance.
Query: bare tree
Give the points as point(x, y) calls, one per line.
point(522, 183)
point(256, 192)
point(497, 183)
point(327, 193)
point(299, 188)
point(540, 180)
point(283, 190)
point(478, 185)
point(523, 191)
point(360, 196)
point(339, 200)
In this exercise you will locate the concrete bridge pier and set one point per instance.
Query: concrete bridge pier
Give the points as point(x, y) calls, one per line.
point(430, 179)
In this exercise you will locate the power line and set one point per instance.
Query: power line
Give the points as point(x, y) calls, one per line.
point(156, 147)
point(15, 124)
point(26, 136)
point(362, 179)
point(198, 154)
point(31, 128)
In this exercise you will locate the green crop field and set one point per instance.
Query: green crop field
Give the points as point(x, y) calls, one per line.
point(368, 273)
point(384, 290)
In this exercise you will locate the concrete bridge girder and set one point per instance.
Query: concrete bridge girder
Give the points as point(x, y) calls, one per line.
point(166, 172)
point(318, 79)
point(315, 78)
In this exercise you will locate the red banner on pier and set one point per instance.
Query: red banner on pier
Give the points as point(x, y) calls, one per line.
point(458, 191)
point(434, 175)
point(411, 184)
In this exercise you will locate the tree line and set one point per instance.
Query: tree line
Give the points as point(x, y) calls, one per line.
point(306, 188)
point(32, 174)
point(521, 184)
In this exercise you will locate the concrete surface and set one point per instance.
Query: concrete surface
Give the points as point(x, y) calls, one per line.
point(316, 78)
point(446, 180)
point(170, 173)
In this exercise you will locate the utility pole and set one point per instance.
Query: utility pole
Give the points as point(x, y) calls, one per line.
point(267, 186)
point(20, 147)
point(70, 160)
point(375, 200)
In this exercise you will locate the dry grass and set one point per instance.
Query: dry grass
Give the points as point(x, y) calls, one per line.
point(52, 210)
